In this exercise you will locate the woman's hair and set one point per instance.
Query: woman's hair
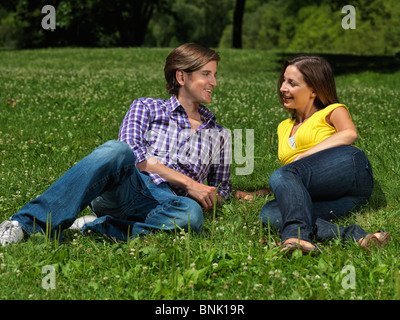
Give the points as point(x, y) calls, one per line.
point(188, 57)
point(318, 75)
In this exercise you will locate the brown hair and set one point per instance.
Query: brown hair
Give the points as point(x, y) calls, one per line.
point(318, 75)
point(188, 57)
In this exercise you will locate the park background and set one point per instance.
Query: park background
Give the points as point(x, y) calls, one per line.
point(308, 25)
point(65, 91)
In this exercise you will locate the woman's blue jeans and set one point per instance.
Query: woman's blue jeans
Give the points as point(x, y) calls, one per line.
point(126, 201)
point(314, 190)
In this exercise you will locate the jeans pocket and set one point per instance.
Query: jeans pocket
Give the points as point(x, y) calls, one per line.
point(363, 171)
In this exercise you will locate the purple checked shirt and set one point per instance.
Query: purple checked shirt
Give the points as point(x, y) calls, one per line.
point(161, 129)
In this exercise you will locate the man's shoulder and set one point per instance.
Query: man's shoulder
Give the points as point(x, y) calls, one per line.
point(150, 102)
point(220, 127)
point(159, 106)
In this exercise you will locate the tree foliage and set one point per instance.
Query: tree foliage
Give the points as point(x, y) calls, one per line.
point(78, 23)
point(317, 26)
point(179, 21)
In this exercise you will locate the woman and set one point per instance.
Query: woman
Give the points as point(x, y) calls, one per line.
point(323, 176)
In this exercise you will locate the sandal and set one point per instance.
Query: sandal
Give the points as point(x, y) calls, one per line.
point(290, 247)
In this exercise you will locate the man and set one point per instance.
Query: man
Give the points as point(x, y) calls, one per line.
point(154, 176)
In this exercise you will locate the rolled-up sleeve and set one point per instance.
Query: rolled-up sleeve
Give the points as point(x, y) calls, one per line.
point(134, 127)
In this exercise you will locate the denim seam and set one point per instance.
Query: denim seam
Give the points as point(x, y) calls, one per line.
point(366, 167)
point(295, 177)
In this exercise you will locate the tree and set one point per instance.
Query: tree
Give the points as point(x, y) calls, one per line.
point(92, 23)
point(179, 21)
point(129, 19)
point(237, 24)
point(78, 23)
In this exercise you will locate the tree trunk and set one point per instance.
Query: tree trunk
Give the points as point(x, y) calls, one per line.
point(237, 24)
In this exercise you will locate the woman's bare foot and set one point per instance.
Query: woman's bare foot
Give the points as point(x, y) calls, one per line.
point(292, 244)
point(295, 241)
point(243, 195)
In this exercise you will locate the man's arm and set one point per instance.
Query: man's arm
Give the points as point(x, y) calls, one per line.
point(202, 193)
point(133, 132)
point(134, 127)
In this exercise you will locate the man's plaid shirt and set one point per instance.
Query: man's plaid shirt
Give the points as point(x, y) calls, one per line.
point(161, 129)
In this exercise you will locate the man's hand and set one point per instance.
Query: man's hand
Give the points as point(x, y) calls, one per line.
point(203, 194)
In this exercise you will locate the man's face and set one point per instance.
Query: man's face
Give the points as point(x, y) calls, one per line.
point(196, 87)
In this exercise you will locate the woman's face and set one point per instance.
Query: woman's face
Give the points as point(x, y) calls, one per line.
point(296, 94)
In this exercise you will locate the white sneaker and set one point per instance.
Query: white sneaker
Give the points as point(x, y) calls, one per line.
point(78, 223)
point(10, 232)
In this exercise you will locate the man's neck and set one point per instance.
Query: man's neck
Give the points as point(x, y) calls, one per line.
point(191, 108)
point(192, 111)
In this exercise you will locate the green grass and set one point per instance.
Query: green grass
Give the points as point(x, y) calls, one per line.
point(57, 105)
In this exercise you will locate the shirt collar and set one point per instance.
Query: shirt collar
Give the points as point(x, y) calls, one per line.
point(173, 104)
point(206, 114)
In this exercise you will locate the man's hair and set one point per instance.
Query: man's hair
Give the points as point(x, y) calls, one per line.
point(188, 57)
point(318, 75)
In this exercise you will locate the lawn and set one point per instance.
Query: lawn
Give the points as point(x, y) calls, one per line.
point(57, 105)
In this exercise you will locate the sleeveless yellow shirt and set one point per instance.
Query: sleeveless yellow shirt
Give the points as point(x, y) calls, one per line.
point(310, 133)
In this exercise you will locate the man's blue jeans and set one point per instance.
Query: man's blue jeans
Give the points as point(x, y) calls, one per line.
point(126, 201)
point(314, 190)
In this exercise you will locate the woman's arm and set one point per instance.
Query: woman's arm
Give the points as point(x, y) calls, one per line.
point(346, 132)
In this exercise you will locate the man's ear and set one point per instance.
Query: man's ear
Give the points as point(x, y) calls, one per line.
point(180, 77)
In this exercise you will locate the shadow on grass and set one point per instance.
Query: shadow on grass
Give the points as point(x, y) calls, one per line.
point(347, 63)
point(378, 197)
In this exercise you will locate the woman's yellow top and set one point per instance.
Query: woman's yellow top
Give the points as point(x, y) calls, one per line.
point(310, 133)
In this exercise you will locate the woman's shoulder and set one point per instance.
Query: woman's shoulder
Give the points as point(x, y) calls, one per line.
point(285, 123)
point(328, 109)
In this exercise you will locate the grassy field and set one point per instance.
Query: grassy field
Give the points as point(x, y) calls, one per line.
point(57, 105)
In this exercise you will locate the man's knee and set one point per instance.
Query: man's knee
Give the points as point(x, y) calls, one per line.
point(117, 151)
point(193, 214)
point(114, 147)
